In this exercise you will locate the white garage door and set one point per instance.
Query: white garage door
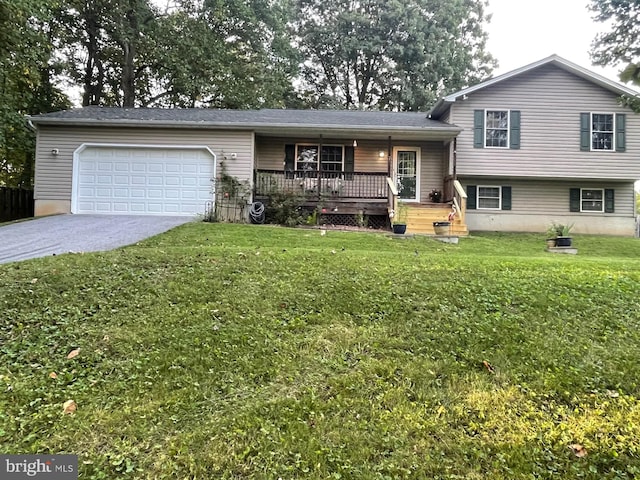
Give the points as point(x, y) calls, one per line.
point(136, 180)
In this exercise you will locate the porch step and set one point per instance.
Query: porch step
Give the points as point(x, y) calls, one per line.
point(420, 220)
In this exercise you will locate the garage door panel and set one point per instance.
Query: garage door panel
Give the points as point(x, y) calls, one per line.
point(143, 180)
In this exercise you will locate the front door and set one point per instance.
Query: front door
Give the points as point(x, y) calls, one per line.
point(407, 171)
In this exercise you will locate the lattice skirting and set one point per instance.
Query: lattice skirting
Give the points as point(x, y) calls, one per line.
point(380, 222)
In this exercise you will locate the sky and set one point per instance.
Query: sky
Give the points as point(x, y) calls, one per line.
point(524, 31)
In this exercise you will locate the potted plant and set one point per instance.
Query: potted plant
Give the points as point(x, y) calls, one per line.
point(562, 234)
point(551, 236)
point(441, 228)
point(435, 195)
point(399, 219)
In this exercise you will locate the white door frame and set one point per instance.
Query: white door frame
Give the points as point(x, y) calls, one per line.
point(418, 151)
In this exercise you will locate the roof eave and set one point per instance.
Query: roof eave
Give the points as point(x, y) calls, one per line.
point(444, 131)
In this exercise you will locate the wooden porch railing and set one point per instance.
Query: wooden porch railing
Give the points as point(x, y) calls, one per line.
point(460, 200)
point(365, 185)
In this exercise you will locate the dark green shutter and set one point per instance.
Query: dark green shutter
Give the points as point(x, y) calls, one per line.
point(478, 128)
point(585, 132)
point(471, 197)
point(609, 200)
point(514, 127)
point(621, 140)
point(349, 161)
point(289, 160)
point(506, 198)
point(574, 200)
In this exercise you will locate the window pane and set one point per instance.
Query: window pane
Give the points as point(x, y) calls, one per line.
point(497, 128)
point(602, 131)
point(331, 158)
point(592, 194)
point(497, 119)
point(602, 141)
point(489, 192)
point(489, 203)
point(307, 158)
point(489, 198)
point(592, 200)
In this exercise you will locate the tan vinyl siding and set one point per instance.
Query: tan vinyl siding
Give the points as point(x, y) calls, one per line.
point(270, 156)
point(431, 169)
point(552, 197)
point(537, 203)
point(550, 101)
point(54, 173)
point(270, 152)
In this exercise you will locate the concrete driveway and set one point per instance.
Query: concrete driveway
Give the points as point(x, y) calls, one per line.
point(79, 233)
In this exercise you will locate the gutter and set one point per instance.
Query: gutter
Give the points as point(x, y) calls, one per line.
point(445, 128)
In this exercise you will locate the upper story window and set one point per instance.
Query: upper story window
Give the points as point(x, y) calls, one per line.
point(497, 128)
point(602, 131)
point(331, 158)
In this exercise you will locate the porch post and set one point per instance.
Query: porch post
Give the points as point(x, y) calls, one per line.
point(389, 158)
point(319, 184)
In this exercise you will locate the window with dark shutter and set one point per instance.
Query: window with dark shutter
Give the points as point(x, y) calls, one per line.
point(514, 135)
point(506, 198)
point(471, 197)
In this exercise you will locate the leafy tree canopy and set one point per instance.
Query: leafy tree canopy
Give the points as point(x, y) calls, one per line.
point(390, 54)
point(26, 87)
point(620, 46)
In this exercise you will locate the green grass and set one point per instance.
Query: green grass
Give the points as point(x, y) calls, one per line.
point(225, 351)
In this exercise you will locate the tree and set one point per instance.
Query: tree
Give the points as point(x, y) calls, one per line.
point(621, 44)
point(231, 54)
point(26, 83)
point(390, 54)
point(105, 46)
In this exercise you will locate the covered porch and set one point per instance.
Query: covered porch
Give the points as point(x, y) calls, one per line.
point(355, 173)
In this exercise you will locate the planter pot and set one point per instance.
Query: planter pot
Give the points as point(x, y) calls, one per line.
point(441, 228)
point(564, 241)
point(551, 242)
point(399, 228)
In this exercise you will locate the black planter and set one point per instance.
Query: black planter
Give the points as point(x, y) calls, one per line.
point(564, 241)
point(399, 228)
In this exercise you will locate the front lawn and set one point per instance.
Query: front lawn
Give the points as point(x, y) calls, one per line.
point(226, 351)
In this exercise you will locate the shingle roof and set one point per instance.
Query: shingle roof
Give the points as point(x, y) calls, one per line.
point(247, 119)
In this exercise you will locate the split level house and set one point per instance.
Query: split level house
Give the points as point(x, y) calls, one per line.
point(550, 141)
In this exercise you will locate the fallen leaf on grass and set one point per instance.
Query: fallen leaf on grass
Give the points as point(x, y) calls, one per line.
point(53, 375)
point(578, 450)
point(69, 407)
point(73, 353)
point(488, 366)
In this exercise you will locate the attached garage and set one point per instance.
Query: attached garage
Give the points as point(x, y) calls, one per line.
point(142, 180)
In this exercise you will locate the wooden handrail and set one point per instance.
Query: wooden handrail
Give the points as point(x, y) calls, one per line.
point(460, 200)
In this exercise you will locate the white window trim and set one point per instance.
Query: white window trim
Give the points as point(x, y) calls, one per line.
point(484, 138)
point(592, 211)
point(297, 145)
point(499, 187)
point(418, 151)
point(613, 149)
